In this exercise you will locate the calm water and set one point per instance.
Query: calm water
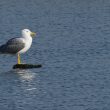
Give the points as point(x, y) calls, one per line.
point(72, 44)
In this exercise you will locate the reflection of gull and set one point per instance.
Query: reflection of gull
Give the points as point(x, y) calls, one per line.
point(18, 45)
point(27, 79)
point(31, 89)
point(25, 74)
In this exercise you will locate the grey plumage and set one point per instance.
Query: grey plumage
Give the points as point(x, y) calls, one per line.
point(13, 46)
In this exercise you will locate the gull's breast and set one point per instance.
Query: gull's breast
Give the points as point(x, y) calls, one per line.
point(28, 43)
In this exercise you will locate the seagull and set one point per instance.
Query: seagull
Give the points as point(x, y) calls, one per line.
point(19, 45)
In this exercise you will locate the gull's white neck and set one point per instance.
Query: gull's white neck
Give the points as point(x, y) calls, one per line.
point(28, 42)
point(26, 36)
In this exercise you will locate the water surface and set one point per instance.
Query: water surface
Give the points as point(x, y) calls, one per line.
point(72, 44)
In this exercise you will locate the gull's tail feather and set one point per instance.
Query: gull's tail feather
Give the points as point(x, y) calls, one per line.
point(7, 49)
point(10, 48)
point(3, 49)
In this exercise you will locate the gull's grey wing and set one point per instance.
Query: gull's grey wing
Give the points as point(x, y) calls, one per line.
point(13, 46)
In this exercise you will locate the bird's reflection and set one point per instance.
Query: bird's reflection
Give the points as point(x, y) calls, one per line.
point(26, 78)
point(25, 74)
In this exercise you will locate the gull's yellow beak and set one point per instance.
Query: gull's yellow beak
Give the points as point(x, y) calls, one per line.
point(33, 34)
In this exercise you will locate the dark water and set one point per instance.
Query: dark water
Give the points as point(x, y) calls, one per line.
point(72, 44)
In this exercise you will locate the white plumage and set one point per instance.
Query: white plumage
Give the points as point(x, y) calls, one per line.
point(27, 40)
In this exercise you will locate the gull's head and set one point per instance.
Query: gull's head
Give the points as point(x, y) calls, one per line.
point(27, 32)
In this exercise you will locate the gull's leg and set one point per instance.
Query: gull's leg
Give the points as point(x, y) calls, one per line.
point(18, 58)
